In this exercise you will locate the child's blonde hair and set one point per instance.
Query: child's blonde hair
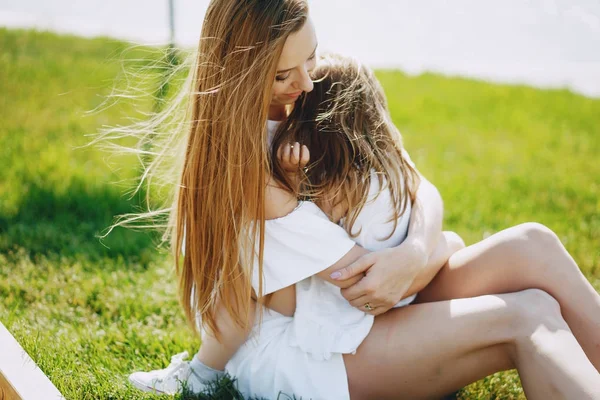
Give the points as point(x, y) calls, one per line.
point(345, 123)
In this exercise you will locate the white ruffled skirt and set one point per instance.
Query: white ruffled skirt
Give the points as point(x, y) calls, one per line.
point(272, 365)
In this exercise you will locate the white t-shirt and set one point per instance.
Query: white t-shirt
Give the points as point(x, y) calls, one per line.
point(303, 243)
point(303, 355)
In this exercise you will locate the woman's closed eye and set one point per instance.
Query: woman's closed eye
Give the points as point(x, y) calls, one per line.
point(285, 76)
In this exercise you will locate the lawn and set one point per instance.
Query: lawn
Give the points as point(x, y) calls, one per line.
point(89, 312)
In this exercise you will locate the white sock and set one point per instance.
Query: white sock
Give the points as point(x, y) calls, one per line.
point(201, 375)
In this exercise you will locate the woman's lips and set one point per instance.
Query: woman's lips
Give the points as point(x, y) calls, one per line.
point(294, 95)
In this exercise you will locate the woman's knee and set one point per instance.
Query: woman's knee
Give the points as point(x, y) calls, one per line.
point(540, 250)
point(535, 308)
point(537, 236)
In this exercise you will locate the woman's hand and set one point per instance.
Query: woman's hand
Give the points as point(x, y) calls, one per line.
point(389, 273)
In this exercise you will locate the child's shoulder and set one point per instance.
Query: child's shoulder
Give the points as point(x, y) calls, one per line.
point(279, 201)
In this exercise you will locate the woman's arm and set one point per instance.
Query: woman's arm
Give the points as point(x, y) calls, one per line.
point(426, 219)
point(448, 244)
point(390, 273)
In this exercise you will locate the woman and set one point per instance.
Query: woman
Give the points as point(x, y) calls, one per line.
point(221, 198)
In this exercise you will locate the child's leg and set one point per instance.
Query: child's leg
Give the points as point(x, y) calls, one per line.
point(215, 354)
point(206, 366)
point(209, 363)
point(522, 257)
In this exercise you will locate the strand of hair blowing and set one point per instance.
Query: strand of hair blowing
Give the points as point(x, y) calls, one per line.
point(220, 201)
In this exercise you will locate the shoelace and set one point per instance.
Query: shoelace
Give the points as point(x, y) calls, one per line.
point(177, 366)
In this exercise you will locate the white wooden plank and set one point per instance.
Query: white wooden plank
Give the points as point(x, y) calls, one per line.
point(20, 377)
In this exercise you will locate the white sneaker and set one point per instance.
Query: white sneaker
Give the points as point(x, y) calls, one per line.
point(164, 381)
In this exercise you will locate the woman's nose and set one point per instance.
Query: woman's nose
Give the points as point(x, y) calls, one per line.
point(305, 83)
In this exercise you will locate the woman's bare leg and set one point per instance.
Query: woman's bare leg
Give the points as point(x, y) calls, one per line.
point(428, 350)
point(522, 257)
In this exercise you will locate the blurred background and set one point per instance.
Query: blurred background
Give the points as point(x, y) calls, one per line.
point(550, 43)
point(498, 103)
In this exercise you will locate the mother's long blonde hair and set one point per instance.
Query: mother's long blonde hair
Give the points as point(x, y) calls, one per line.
point(345, 123)
point(220, 200)
point(208, 146)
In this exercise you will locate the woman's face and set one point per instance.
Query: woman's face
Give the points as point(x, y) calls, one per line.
point(297, 60)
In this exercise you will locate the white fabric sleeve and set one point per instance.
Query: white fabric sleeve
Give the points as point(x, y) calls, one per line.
point(299, 245)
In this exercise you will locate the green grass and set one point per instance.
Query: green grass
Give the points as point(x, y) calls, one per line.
point(89, 313)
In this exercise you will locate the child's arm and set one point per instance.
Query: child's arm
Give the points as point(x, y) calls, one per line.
point(293, 158)
point(216, 354)
point(278, 203)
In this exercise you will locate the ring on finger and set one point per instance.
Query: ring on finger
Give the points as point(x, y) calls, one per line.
point(368, 307)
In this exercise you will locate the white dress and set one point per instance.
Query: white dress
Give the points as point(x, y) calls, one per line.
point(302, 355)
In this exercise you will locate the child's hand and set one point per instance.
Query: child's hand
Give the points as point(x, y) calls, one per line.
point(293, 157)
